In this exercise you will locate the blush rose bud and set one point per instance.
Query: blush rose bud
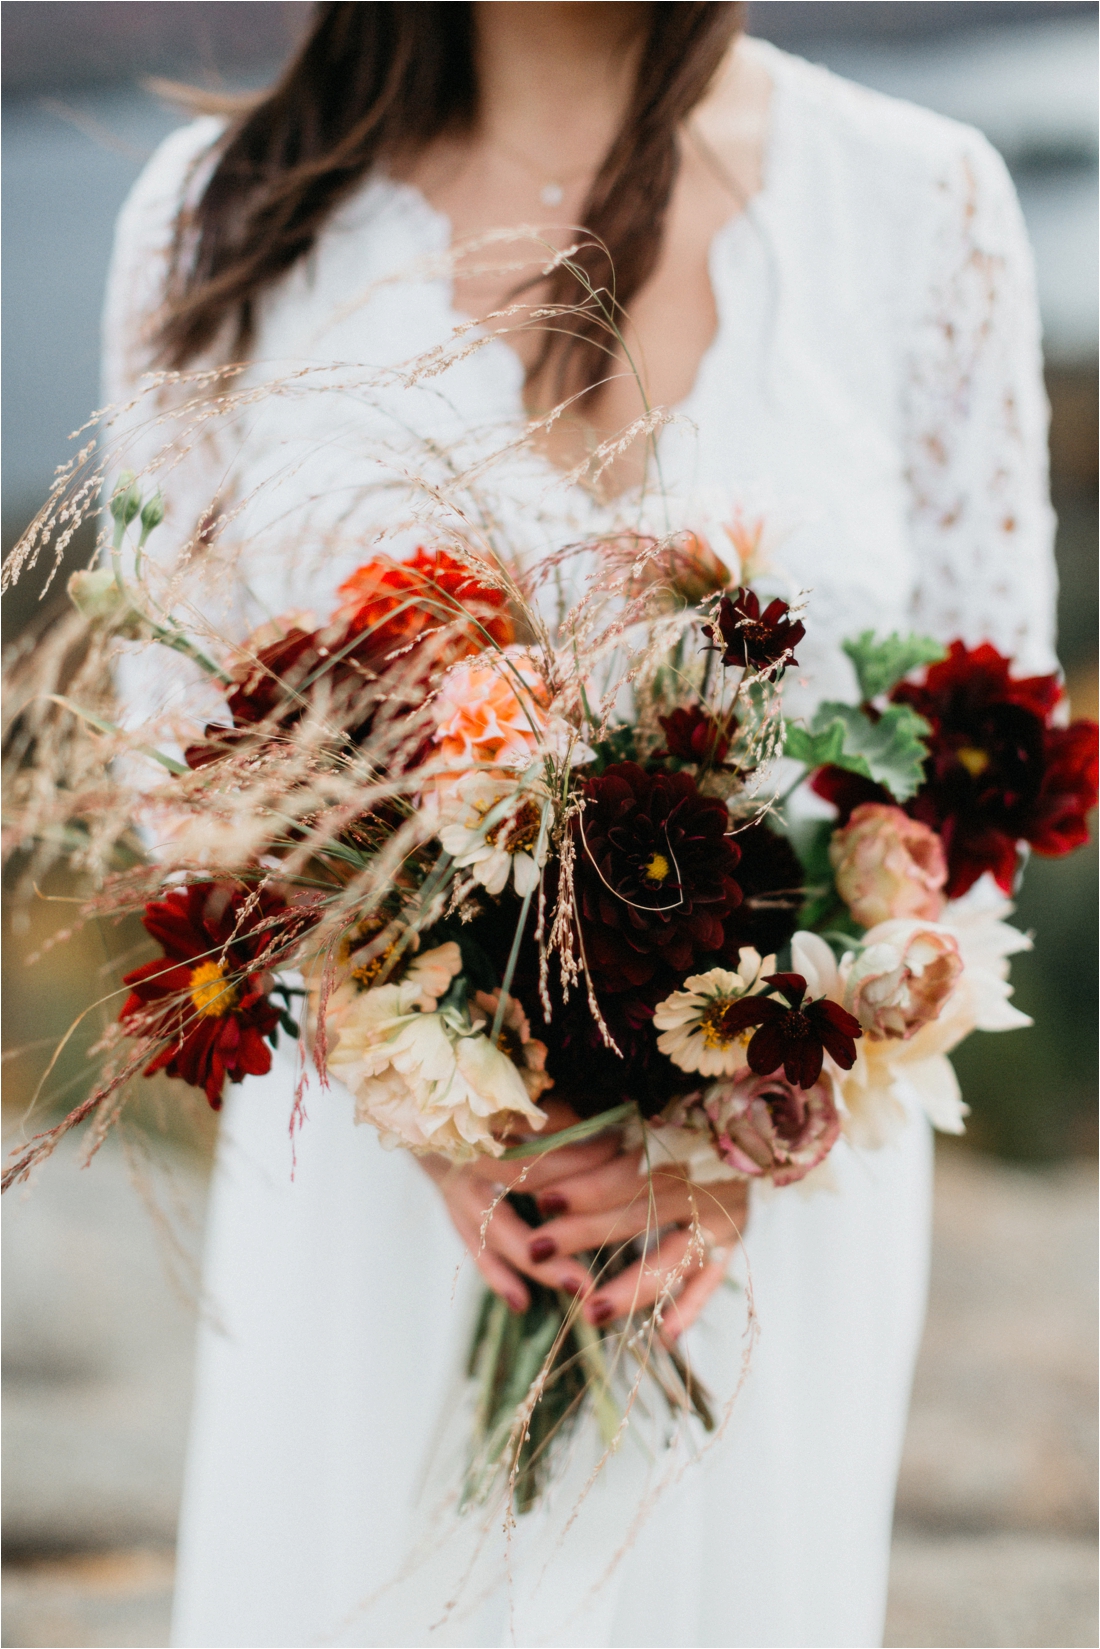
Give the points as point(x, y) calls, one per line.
point(888, 866)
point(901, 979)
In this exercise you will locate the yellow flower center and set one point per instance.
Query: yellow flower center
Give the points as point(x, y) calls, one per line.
point(213, 998)
point(367, 972)
point(975, 761)
point(657, 868)
point(519, 832)
point(712, 1023)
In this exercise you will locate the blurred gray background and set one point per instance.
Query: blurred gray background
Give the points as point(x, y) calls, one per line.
point(995, 1533)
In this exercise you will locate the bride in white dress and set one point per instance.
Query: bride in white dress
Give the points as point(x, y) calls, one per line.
point(839, 305)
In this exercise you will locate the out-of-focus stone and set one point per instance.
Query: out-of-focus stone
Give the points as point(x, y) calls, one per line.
point(1002, 1432)
point(98, 1334)
point(1011, 1591)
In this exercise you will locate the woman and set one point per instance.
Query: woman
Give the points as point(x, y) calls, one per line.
point(834, 291)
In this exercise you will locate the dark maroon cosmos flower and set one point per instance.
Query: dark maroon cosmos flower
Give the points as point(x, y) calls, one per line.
point(691, 735)
point(796, 1036)
point(997, 773)
point(206, 997)
point(755, 640)
point(654, 874)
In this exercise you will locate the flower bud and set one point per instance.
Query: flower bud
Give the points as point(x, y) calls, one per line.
point(152, 515)
point(126, 499)
point(97, 597)
point(888, 866)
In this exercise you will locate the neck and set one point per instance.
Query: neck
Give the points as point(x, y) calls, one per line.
point(554, 80)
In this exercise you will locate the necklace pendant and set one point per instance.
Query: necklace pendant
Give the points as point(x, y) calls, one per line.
point(551, 194)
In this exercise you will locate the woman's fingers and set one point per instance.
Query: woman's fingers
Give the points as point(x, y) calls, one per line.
point(668, 1261)
point(681, 1312)
point(530, 1174)
point(498, 1230)
point(667, 1200)
point(608, 1184)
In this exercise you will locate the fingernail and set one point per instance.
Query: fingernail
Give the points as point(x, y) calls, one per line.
point(541, 1248)
point(552, 1203)
point(599, 1311)
point(570, 1285)
point(516, 1304)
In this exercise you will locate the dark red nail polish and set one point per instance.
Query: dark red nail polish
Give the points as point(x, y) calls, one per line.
point(517, 1304)
point(570, 1285)
point(599, 1312)
point(552, 1203)
point(541, 1248)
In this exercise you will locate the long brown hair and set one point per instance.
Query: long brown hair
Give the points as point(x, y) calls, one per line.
point(375, 80)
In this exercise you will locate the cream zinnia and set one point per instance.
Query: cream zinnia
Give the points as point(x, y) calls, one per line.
point(693, 1021)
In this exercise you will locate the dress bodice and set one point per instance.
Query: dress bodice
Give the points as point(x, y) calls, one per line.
point(873, 391)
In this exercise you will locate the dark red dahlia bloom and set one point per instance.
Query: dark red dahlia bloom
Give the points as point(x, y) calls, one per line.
point(771, 879)
point(997, 773)
point(756, 640)
point(654, 874)
point(796, 1036)
point(206, 997)
point(691, 735)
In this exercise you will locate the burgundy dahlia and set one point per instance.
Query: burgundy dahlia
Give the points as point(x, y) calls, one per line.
point(772, 880)
point(206, 998)
point(997, 773)
point(755, 640)
point(654, 874)
point(691, 735)
point(796, 1035)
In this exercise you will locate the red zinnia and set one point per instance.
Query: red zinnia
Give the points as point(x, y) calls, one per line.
point(206, 998)
point(756, 640)
point(797, 1036)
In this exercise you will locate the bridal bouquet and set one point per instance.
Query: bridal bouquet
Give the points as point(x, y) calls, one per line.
point(472, 858)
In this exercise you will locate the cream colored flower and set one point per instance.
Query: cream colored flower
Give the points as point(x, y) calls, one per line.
point(514, 1038)
point(692, 1020)
point(492, 827)
point(892, 1076)
point(460, 1092)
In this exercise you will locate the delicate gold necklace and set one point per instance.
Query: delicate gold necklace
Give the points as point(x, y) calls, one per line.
point(551, 189)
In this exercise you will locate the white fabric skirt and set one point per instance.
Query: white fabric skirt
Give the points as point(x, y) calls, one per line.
point(330, 1417)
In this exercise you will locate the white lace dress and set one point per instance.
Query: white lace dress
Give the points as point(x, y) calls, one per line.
point(874, 390)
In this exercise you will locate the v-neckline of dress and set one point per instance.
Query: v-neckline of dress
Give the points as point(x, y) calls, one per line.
point(498, 349)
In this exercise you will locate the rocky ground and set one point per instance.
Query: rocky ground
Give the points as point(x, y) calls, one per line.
point(996, 1523)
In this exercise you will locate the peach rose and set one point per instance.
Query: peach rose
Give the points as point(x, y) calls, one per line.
point(901, 978)
point(888, 866)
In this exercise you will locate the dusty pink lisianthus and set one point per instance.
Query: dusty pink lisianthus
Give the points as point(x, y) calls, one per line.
point(765, 1128)
point(901, 979)
point(888, 865)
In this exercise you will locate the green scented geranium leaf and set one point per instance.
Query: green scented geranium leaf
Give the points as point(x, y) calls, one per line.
point(889, 750)
point(880, 665)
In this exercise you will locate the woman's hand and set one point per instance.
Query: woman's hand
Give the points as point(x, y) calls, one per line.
point(595, 1196)
point(605, 1205)
point(498, 1241)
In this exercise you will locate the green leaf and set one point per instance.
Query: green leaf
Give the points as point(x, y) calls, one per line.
point(571, 1136)
point(819, 747)
point(889, 750)
point(880, 665)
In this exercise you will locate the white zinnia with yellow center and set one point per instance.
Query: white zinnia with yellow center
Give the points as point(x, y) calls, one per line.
point(493, 829)
point(693, 1020)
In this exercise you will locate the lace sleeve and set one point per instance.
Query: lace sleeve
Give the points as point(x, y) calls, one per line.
point(975, 420)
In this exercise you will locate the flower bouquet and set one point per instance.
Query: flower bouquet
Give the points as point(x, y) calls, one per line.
point(472, 855)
